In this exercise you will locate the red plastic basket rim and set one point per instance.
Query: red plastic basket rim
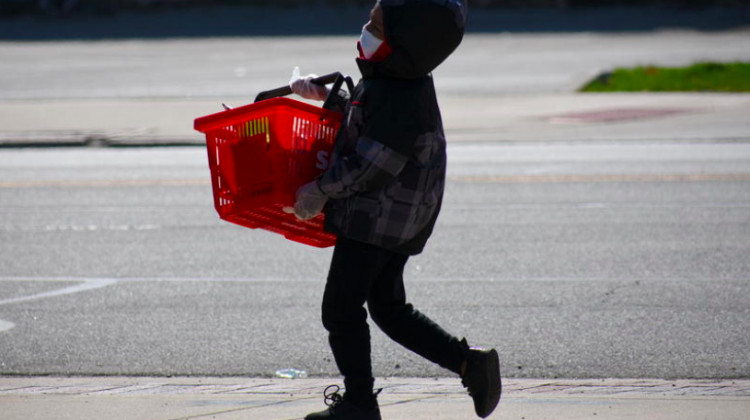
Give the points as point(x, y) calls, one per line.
point(221, 119)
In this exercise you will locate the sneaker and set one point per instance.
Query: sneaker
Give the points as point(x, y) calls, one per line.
point(482, 379)
point(341, 408)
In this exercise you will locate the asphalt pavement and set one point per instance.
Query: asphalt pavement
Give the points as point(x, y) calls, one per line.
point(497, 87)
point(510, 118)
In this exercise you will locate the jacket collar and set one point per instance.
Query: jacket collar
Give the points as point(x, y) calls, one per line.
point(367, 68)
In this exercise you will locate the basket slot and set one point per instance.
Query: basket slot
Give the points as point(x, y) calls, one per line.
point(310, 148)
point(270, 218)
point(243, 158)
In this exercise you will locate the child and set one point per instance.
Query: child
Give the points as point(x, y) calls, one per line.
point(382, 194)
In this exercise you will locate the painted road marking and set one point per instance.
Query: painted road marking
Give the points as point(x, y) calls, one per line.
point(88, 284)
point(615, 115)
point(484, 179)
point(531, 179)
point(103, 183)
point(6, 325)
point(92, 283)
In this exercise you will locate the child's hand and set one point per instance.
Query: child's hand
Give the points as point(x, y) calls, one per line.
point(309, 201)
point(304, 87)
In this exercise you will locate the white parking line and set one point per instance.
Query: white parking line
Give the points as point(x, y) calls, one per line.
point(6, 325)
point(88, 284)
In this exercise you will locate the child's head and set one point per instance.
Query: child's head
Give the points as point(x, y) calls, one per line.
point(410, 38)
point(371, 44)
point(375, 24)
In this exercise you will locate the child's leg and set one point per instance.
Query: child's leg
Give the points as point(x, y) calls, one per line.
point(354, 267)
point(479, 368)
point(406, 325)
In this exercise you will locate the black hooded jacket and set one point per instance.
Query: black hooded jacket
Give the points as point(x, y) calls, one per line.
point(387, 173)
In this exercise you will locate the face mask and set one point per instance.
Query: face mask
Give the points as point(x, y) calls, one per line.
point(372, 48)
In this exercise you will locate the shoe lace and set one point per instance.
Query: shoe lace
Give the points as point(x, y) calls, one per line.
point(470, 387)
point(332, 398)
point(465, 383)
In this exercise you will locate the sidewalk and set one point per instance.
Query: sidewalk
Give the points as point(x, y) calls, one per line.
point(567, 117)
point(83, 398)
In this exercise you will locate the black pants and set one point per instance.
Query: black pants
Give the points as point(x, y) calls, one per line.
point(362, 273)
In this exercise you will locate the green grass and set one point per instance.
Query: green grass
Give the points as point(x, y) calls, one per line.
point(701, 77)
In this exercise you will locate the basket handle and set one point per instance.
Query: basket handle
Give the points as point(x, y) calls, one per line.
point(333, 94)
point(322, 80)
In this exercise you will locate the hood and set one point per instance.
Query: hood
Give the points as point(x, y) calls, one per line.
point(421, 33)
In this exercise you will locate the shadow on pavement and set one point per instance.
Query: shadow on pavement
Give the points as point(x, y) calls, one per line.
point(241, 21)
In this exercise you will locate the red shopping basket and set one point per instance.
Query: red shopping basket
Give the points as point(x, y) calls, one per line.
point(260, 154)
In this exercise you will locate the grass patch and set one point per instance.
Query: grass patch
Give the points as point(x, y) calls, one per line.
point(701, 77)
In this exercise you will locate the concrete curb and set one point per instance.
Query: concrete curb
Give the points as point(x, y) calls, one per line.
point(120, 385)
point(520, 118)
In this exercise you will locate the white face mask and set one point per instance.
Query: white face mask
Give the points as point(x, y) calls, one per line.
point(369, 44)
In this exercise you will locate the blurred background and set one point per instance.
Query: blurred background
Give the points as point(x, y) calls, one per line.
point(20, 6)
point(44, 19)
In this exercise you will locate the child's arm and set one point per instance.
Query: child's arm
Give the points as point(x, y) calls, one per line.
point(373, 165)
point(390, 122)
point(304, 87)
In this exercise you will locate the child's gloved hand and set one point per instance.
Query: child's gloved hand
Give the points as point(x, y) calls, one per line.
point(304, 87)
point(309, 201)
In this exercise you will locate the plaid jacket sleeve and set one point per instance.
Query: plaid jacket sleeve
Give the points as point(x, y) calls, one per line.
point(371, 166)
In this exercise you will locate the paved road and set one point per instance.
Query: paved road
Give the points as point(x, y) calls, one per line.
point(578, 248)
point(587, 260)
point(486, 64)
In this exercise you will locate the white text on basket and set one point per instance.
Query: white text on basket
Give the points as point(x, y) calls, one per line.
point(322, 162)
